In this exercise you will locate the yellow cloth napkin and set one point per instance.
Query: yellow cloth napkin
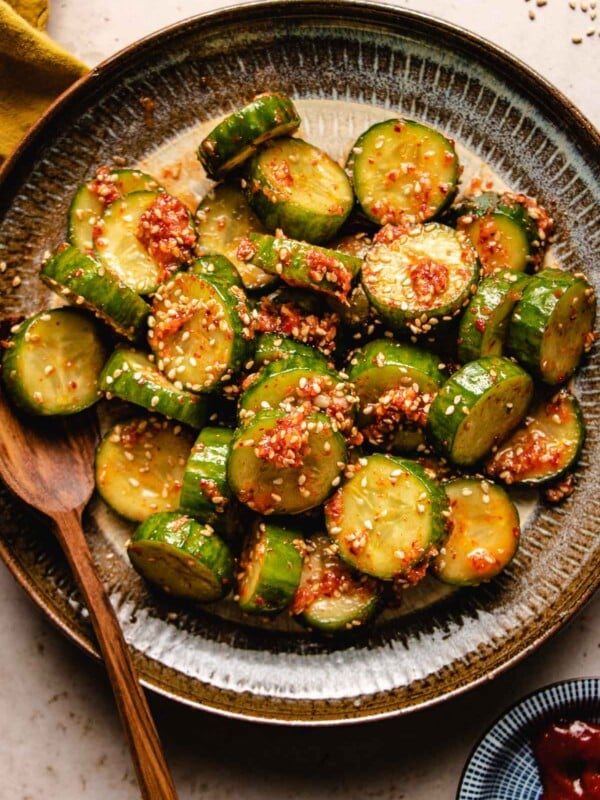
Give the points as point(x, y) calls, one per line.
point(33, 69)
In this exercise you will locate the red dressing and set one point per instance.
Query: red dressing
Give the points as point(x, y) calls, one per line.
point(568, 757)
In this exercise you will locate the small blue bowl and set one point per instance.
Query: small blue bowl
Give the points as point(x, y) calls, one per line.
point(502, 765)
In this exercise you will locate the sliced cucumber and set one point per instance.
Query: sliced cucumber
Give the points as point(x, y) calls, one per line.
point(205, 492)
point(182, 557)
point(270, 569)
point(53, 361)
point(395, 384)
point(545, 446)
point(303, 265)
point(510, 231)
point(196, 331)
point(356, 311)
point(484, 533)
point(92, 197)
point(130, 375)
point(285, 462)
point(217, 268)
point(478, 407)
point(388, 519)
point(82, 281)
point(223, 219)
point(236, 138)
point(552, 325)
point(143, 237)
point(484, 323)
point(271, 347)
point(403, 172)
point(301, 380)
point(424, 276)
point(331, 597)
point(297, 187)
point(299, 315)
point(140, 465)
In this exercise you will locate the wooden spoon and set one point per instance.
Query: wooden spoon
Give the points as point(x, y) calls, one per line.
point(49, 463)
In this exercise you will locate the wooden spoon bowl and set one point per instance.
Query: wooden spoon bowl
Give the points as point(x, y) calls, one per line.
point(49, 463)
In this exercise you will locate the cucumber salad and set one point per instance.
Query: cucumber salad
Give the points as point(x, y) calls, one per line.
point(324, 380)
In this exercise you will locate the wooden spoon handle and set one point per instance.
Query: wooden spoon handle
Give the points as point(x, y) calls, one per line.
point(153, 773)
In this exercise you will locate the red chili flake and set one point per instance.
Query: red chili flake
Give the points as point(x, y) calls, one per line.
point(389, 233)
point(246, 250)
point(322, 266)
point(559, 490)
point(532, 452)
point(104, 186)
point(281, 173)
point(173, 322)
point(396, 408)
point(429, 279)
point(166, 232)
point(291, 320)
point(480, 324)
point(286, 444)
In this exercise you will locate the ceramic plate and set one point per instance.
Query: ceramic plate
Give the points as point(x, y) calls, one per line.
point(502, 766)
point(346, 65)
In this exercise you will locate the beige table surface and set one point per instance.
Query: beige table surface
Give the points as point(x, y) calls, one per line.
point(60, 738)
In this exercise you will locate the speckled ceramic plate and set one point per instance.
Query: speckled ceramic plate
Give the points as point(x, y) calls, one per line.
point(502, 765)
point(347, 65)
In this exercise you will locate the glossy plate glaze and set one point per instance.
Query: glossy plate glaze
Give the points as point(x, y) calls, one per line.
point(502, 765)
point(345, 64)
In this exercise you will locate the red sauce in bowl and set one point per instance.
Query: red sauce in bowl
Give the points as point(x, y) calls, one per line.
point(568, 757)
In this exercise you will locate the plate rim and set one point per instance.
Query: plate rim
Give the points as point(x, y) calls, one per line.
point(391, 19)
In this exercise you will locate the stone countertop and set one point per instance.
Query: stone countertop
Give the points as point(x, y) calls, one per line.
point(61, 736)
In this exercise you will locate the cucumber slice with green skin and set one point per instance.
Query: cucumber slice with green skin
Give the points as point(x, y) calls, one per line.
point(545, 446)
point(270, 569)
point(130, 375)
point(81, 281)
point(182, 557)
point(143, 237)
point(236, 138)
point(197, 332)
point(424, 276)
point(484, 533)
point(223, 219)
point(509, 231)
point(205, 493)
point(478, 407)
point(299, 381)
point(92, 197)
point(388, 519)
point(403, 172)
point(484, 323)
point(53, 361)
point(217, 268)
point(356, 311)
point(395, 384)
point(299, 189)
point(140, 465)
point(285, 462)
point(303, 265)
point(331, 597)
point(271, 347)
point(552, 325)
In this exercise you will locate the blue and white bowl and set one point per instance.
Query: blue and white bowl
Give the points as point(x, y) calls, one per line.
point(502, 765)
